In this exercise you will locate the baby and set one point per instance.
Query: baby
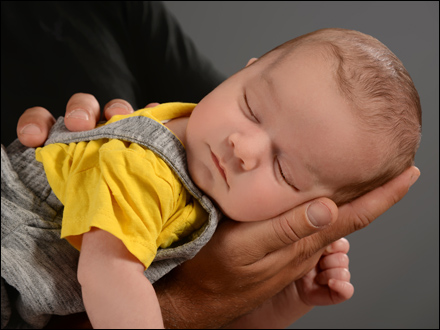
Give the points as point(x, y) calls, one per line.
point(332, 113)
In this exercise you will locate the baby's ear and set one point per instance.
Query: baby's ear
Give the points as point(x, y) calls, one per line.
point(252, 60)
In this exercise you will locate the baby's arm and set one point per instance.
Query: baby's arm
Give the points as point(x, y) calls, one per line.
point(115, 291)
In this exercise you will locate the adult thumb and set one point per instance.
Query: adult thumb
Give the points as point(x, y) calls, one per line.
point(319, 213)
point(291, 226)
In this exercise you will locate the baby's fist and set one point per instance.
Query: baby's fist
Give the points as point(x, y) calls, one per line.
point(329, 282)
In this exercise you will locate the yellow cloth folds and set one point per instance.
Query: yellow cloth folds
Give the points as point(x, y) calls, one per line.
point(122, 188)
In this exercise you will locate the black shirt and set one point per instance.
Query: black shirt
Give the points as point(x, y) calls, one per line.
point(111, 49)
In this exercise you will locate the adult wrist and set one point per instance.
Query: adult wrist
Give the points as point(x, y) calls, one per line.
point(171, 314)
point(185, 306)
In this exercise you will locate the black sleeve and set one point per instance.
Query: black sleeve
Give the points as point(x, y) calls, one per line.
point(112, 49)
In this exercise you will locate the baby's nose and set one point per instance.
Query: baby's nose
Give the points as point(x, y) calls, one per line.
point(249, 150)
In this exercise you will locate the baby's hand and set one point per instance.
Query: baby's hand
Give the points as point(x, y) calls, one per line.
point(329, 282)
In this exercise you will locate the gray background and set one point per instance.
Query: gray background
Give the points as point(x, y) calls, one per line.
point(395, 261)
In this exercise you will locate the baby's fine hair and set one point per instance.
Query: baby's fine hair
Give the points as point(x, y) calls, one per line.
point(381, 92)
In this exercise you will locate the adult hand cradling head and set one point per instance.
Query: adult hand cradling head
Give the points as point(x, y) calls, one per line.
point(246, 264)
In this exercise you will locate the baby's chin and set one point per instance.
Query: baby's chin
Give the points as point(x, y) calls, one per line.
point(246, 215)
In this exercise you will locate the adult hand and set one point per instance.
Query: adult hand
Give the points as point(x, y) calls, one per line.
point(245, 264)
point(248, 263)
point(82, 114)
point(328, 283)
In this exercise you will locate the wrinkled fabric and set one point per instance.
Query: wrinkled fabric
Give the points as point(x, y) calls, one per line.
point(123, 188)
point(38, 268)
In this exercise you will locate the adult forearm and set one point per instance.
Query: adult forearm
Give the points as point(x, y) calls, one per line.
point(185, 307)
point(278, 312)
point(189, 310)
point(219, 284)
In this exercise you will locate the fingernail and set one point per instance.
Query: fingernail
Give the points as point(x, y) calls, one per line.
point(413, 179)
point(319, 214)
point(329, 249)
point(31, 129)
point(79, 113)
point(119, 105)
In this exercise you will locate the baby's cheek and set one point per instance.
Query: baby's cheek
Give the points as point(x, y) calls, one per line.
point(257, 203)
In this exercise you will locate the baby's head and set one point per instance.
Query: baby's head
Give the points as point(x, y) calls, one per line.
point(332, 113)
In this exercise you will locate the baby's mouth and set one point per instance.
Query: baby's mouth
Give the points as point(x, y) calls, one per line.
point(219, 167)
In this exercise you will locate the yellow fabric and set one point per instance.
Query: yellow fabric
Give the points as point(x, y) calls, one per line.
point(122, 188)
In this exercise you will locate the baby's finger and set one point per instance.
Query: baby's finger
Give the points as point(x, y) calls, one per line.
point(340, 290)
point(341, 274)
point(33, 126)
point(335, 260)
point(82, 112)
point(341, 245)
point(117, 107)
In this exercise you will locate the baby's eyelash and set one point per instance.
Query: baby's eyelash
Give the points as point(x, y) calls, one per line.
point(253, 115)
point(284, 178)
point(249, 108)
point(281, 171)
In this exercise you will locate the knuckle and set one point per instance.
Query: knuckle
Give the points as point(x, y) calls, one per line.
point(284, 230)
point(79, 94)
point(362, 220)
point(361, 217)
point(33, 126)
point(304, 257)
point(84, 101)
point(341, 245)
point(117, 107)
point(35, 111)
point(36, 115)
point(346, 275)
point(118, 103)
point(345, 243)
point(82, 96)
point(305, 250)
point(79, 99)
point(152, 105)
point(343, 260)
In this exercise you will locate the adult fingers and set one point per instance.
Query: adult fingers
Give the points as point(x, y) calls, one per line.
point(361, 212)
point(33, 126)
point(341, 245)
point(335, 260)
point(82, 112)
point(258, 239)
point(340, 290)
point(121, 107)
point(117, 107)
point(272, 240)
point(152, 105)
point(340, 274)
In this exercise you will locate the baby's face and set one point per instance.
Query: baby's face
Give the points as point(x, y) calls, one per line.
point(269, 139)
